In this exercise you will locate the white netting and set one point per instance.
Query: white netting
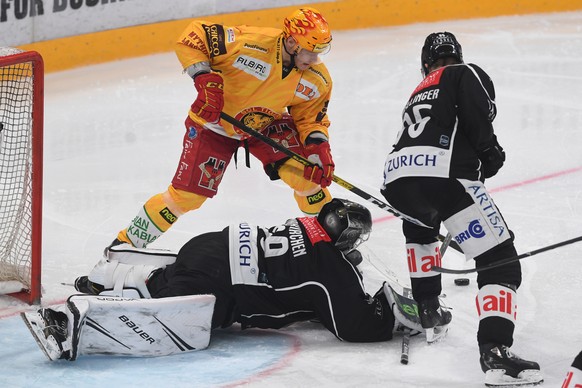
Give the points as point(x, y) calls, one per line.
point(16, 102)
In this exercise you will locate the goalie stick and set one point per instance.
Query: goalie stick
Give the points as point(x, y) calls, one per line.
point(405, 349)
point(394, 283)
point(507, 260)
point(345, 184)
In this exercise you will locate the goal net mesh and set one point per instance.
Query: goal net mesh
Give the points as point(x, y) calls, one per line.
point(16, 103)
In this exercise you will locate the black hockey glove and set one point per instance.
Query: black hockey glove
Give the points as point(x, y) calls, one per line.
point(492, 159)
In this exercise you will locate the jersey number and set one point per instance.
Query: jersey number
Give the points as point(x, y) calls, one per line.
point(276, 246)
point(417, 123)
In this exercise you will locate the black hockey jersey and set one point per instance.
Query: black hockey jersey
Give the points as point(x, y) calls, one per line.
point(272, 277)
point(298, 275)
point(445, 123)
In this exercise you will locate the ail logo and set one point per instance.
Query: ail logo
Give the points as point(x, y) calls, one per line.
point(422, 263)
point(498, 301)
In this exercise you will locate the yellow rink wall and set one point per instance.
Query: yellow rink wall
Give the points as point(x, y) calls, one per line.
point(93, 48)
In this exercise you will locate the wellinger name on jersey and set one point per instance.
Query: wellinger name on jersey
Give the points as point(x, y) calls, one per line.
point(424, 96)
point(417, 160)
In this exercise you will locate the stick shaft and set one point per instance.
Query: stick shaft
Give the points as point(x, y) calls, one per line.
point(508, 260)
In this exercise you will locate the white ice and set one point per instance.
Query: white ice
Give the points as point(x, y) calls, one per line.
point(112, 139)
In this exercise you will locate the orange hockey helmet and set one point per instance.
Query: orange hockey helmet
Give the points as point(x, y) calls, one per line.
point(309, 29)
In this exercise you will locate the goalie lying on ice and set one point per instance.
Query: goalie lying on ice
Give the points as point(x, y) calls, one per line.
point(259, 277)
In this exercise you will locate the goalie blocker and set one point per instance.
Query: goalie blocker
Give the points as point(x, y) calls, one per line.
point(92, 324)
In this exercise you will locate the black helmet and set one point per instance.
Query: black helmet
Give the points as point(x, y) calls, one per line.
point(439, 45)
point(347, 223)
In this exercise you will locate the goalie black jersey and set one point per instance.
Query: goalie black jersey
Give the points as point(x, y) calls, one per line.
point(445, 123)
point(302, 276)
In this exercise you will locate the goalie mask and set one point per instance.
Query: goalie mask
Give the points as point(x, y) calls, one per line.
point(347, 223)
point(439, 45)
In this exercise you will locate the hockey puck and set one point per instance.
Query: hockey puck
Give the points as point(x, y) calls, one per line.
point(462, 282)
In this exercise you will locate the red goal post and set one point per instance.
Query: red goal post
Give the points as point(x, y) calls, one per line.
point(21, 171)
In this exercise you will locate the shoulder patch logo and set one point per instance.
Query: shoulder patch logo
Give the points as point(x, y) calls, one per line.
point(215, 39)
point(230, 37)
point(307, 90)
point(434, 78)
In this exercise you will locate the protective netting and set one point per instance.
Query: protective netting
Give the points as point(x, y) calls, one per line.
point(16, 103)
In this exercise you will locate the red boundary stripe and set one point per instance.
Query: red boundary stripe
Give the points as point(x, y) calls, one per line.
point(508, 187)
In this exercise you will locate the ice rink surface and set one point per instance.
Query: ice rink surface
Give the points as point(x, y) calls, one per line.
point(113, 137)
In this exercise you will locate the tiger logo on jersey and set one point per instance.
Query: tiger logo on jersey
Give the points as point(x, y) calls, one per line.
point(257, 118)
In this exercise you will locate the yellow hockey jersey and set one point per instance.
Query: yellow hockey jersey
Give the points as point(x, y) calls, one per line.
point(250, 61)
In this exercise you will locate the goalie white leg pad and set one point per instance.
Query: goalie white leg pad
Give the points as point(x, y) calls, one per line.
point(141, 327)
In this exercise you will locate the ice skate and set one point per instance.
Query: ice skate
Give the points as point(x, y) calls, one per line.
point(504, 369)
point(84, 285)
point(434, 319)
point(49, 329)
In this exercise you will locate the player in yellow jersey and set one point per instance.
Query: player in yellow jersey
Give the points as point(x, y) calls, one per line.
point(270, 79)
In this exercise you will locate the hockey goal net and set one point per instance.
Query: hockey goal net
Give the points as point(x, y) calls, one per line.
point(21, 132)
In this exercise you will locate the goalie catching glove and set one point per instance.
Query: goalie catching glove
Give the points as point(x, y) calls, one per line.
point(210, 100)
point(319, 153)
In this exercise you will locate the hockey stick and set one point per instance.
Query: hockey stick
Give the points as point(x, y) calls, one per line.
point(346, 185)
point(305, 162)
point(405, 350)
point(508, 260)
point(447, 241)
point(405, 347)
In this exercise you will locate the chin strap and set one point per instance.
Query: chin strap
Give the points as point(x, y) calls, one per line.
point(292, 55)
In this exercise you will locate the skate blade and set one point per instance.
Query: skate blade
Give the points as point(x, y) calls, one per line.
point(436, 334)
point(526, 378)
point(31, 320)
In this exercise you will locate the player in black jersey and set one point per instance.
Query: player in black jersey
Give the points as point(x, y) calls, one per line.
point(435, 173)
point(304, 269)
point(272, 277)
